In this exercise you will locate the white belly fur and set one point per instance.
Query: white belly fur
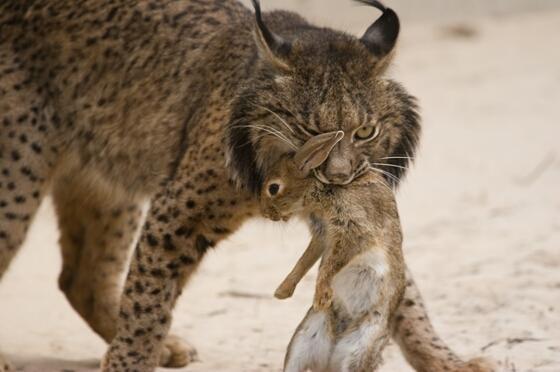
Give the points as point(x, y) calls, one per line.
point(369, 338)
point(311, 346)
point(357, 285)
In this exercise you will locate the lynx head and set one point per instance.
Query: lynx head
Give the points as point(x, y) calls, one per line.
point(307, 81)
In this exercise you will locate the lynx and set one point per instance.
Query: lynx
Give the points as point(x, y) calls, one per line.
point(108, 103)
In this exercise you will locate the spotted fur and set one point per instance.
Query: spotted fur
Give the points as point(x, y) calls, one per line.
point(106, 103)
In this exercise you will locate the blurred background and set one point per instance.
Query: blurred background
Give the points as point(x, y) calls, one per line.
point(480, 209)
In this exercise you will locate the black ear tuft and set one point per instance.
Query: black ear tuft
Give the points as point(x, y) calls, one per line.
point(381, 37)
point(276, 44)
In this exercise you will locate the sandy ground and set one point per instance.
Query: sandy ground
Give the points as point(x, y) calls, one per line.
point(480, 214)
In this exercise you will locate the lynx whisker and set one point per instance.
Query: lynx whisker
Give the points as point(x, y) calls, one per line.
point(280, 136)
point(275, 115)
point(255, 139)
point(384, 184)
point(397, 157)
point(385, 173)
point(272, 131)
point(362, 168)
point(391, 165)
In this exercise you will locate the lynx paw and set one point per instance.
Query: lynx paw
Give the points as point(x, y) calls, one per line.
point(177, 353)
point(5, 366)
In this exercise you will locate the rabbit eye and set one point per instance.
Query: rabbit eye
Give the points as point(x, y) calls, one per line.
point(273, 189)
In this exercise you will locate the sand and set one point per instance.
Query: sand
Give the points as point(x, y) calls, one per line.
point(479, 210)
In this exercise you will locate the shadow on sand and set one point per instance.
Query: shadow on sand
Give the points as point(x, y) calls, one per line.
point(25, 363)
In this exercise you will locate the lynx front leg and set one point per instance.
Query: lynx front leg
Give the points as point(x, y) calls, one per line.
point(167, 254)
point(420, 344)
point(28, 151)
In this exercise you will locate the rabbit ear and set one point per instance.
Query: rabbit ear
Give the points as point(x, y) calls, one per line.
point(316, 150)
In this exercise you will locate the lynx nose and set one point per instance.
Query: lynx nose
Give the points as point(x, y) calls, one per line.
point(338, 170)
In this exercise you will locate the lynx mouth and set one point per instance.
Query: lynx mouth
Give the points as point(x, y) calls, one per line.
point(321, 177)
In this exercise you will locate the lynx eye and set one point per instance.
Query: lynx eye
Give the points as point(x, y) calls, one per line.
point(366, 132)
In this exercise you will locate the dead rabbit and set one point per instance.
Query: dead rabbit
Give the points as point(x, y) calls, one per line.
point(361, 279)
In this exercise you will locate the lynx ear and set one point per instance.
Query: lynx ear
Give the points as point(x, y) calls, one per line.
point(381, 37)
point(316, 150)
point(273, 47)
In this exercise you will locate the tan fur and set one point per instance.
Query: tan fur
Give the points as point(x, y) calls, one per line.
point(108, 103)
point(361, 277)
point(312, 253)
point(421, 346)
point(370, 201)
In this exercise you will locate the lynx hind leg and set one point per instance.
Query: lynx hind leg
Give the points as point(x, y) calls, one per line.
point(421, 345)
point(96, 237)
point(5, 366)
point(311, 344)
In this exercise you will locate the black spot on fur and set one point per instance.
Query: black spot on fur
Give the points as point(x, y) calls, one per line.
point(10, 216)
point(138, 287)
point(158, 273)
point(163, 218)
point(173, 266)
point(220, 230)
point(168, 243)
point(15, 155)
point(152, 240)
point(137, 308)
point(186, 260)
point(184, 231)
point(202, 244)
point(36, 148)
point(139, 332)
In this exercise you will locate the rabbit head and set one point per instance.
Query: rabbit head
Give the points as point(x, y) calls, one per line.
point(289, 178)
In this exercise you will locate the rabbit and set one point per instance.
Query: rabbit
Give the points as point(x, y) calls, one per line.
point(361, 281)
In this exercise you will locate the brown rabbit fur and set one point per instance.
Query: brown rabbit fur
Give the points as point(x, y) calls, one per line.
point(362, 275)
